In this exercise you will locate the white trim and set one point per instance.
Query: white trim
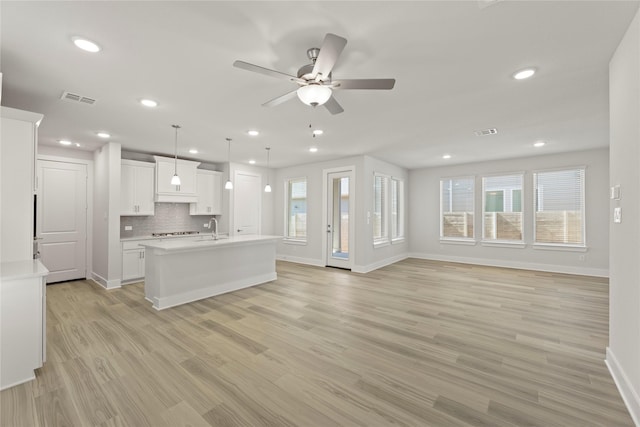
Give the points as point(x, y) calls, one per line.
point(299, 260)
point(504, 243)
point(379, 264)
point(558, 247)
point(198, 294)
point(298, 242)
point(625, 387)
point(381, 243)
point(398, 240)
point(551, 268)
point(107, 284)
point(458, 241)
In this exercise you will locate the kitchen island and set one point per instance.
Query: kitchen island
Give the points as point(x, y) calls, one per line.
point(181, 271)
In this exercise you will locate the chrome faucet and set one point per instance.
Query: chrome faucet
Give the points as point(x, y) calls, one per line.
point(214, 231)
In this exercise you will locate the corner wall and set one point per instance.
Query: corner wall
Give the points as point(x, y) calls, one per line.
point(424, 216)
point(623, 353)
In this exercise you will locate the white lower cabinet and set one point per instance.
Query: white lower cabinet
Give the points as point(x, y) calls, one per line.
point(132, 260)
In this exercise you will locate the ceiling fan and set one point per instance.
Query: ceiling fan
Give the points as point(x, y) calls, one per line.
point(314, 80)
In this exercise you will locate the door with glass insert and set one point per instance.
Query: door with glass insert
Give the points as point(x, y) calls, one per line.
point(339, 208)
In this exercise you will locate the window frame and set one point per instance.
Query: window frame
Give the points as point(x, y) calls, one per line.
point(535, 197)
point(516, 243)
point(384, 238)
point(469, 240)
point(287, 202)
point(398, 193)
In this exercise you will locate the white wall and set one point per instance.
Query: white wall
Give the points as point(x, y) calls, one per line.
point(424, 216)
point(623, 354)
point(107, 257)
point(366, 257)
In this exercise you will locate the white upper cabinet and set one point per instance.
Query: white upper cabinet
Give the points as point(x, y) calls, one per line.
point(183, 193)
point(136, 188)
point(209, 193)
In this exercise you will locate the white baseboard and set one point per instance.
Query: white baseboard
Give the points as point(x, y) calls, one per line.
point(378, 264)
point(107, 284)
point(629, 395)
point(298, 260)
point(211, 291)
point(565, 269)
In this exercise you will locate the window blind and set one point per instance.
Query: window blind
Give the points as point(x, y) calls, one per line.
point(559, 207)
point(296, 216)
point(380, 232)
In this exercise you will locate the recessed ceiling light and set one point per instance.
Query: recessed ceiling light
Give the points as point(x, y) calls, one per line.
point(86, 45)
point(313, 149)
point(524, 74)
point(252, 162)
point(65, 142)
point(446, 156)
point(193, 151)
point(539, 144)
point(318, 132)
point(103, 135)
point(253, 133)
point(77, 144)
point(148, 103)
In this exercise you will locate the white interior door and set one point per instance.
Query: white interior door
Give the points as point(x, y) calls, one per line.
point(61, 222)
point(247, 201)
point(339, 217)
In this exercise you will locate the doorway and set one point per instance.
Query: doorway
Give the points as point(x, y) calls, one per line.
point(339, 189)
point(61, 219)
point(247, 199)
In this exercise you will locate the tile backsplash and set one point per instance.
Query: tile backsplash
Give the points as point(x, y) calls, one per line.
point(169, 217)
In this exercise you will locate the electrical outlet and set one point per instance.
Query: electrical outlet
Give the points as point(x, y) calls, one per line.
point(617, 215)
point(206, 225)
point(128, 227)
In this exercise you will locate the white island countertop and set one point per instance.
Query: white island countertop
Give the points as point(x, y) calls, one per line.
point(179, 271)
point(207, 241)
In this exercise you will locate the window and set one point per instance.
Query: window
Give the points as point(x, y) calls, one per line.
point(380, 229)
point(397, 209)
point(502, 208)
point(456, 208)
point(296, 209)
point(559, 207)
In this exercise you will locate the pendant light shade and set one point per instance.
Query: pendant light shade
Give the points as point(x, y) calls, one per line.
point(175, 180)
point(267, 188)
point(228, 185)
point(314, 94)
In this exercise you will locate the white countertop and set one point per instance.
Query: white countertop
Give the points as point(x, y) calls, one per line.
point(22, 269)
point(207, 242)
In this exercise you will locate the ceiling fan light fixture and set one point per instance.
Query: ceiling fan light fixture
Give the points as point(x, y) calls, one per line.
point(314, 94)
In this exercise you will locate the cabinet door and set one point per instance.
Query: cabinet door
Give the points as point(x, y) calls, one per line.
point(204, 191)
point(164, 172)
point(216, 201)
point(127, 190)
point(187, 174)
point(144, 190)
point(131, 261)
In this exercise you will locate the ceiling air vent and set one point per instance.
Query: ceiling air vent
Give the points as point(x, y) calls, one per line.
point(485, 132)
point(74, 97)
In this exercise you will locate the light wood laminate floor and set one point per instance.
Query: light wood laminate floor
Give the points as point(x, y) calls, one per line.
point(417, 343)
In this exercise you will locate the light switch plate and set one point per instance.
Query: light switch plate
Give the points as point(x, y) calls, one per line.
point(617, 215)
point(128, 227)
point(615, 192)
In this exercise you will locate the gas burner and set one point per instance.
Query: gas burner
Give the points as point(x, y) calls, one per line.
point(174, 233)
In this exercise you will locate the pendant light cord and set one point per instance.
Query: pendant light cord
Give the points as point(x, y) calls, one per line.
point(175, 165)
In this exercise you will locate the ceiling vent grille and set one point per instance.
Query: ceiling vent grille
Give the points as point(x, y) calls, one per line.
point(74, 97)
point(485, 132)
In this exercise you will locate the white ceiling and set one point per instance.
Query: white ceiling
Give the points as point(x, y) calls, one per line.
point(452, 62)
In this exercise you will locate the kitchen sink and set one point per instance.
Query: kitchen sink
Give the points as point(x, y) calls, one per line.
point(208, 237)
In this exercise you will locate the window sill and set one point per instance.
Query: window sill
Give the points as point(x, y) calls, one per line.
point(468, 242)
point(503, 244)
point(397, 240)
point(294, 242)
point(380, 244)
point(559, 247)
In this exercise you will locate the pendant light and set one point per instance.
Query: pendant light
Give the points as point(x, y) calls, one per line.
point(267, 188)
point(229, 185)
point(175, 180)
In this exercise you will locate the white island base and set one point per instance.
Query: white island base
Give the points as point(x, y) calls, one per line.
point(179, 271)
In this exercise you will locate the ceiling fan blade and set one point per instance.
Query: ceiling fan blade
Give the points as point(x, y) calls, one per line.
point(266, 71)
point(374, 84)
point(281, 99)
point(331, 49)
point(333, 106)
